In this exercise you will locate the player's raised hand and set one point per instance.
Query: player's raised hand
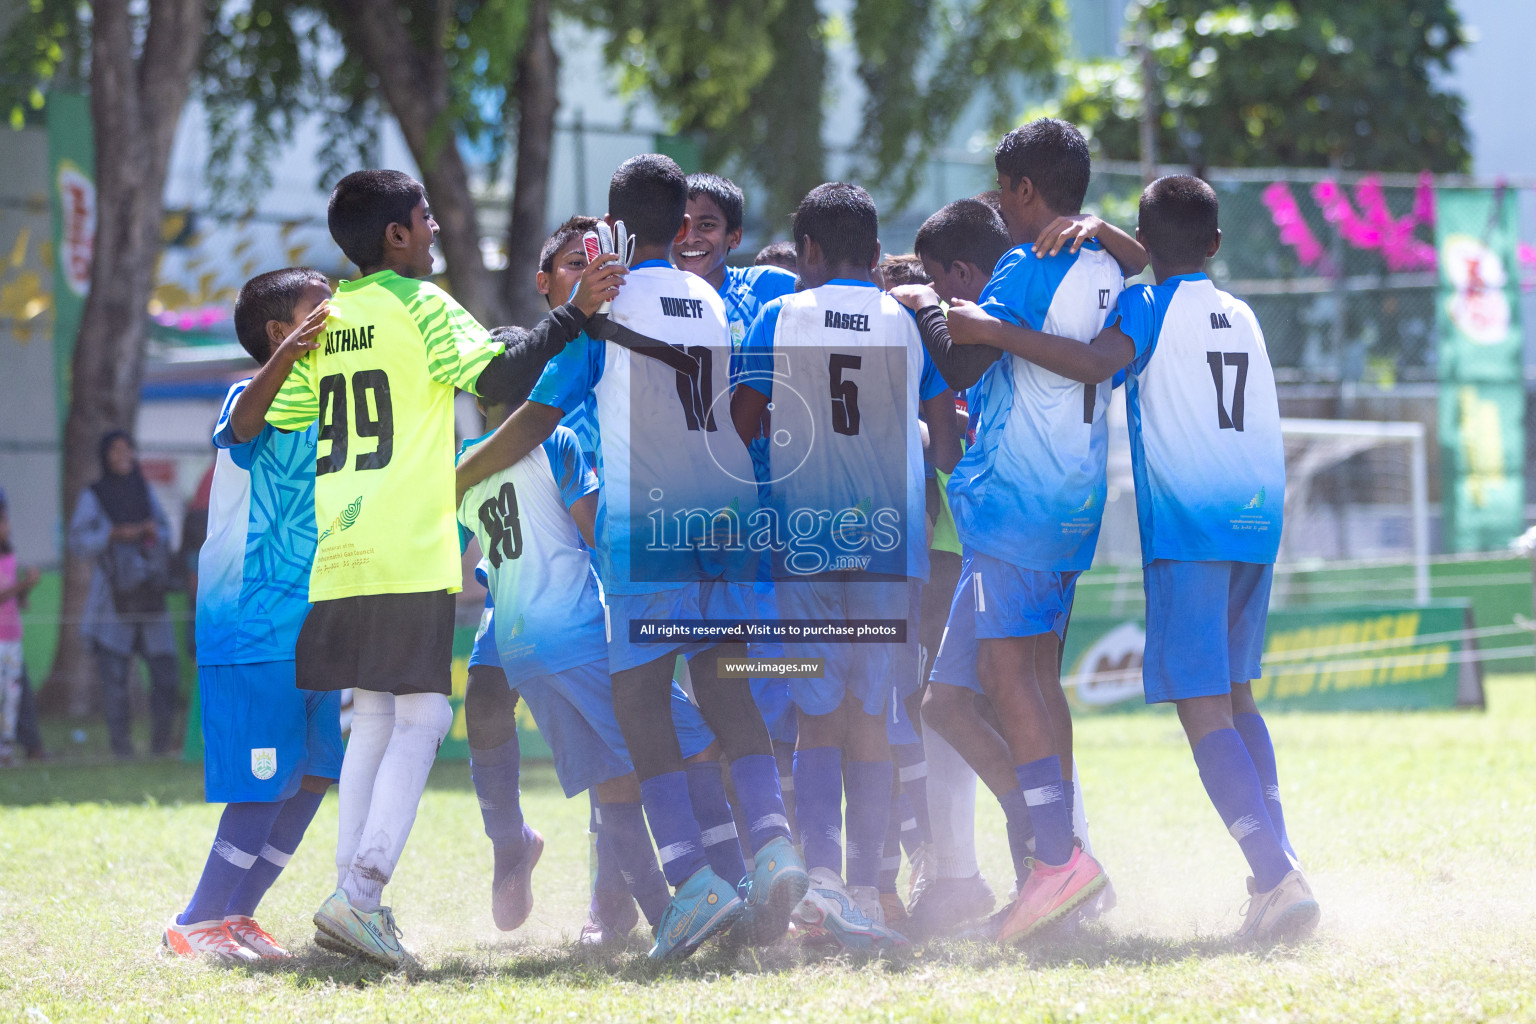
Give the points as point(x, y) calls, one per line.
point(301, 340)
point(915, 296)
point(1073, 231)
point(967, 322)
point(600, 282)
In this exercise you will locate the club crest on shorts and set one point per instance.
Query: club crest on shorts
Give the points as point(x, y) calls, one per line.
point(263, 762)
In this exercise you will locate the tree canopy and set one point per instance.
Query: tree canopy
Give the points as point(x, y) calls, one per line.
point(753, 76)
point(1277, 83)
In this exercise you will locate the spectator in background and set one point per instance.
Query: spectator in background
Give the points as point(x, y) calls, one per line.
point(14, 587)
point(119, 524)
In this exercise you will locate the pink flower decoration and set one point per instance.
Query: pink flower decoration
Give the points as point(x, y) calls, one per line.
point(1293, 227)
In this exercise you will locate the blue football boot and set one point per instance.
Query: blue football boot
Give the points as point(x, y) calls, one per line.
point(703, 906)
point(776, 886)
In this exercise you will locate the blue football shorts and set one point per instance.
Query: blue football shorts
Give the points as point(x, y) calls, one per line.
point(262, 735)
point(574, 712)
point(995, 600)
point(1205, 627)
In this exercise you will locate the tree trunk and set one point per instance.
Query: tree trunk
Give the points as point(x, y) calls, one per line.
point(538, 97)
point(415, 87)
point(136, 102)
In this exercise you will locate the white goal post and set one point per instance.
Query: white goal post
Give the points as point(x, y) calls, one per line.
point(1314, 446)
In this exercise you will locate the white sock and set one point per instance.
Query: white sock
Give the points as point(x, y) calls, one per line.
point(373, 720)
point(421, 722)
point(1079, 813)
point(951, 807)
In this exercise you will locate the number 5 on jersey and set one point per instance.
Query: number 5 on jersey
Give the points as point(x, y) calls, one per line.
point(374, 415)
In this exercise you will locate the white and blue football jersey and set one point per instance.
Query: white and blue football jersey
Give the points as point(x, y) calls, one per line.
point(1030, 489)
point(253, 570)
point(671, 466)
point(548, 611)
point(1204, 420)
point(745, 292)
point(844, 369)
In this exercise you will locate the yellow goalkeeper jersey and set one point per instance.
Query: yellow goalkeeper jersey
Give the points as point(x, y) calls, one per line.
point(381, 386)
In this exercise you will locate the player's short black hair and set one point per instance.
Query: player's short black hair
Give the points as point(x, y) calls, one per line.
point(649, 193)
point(1178, 218)
point(776, 254)
point(843, 220)
point(904, 269)
point(966, 230)
point(269, 296)
point(509, 378)
point(577, 225)
point(1053, 155)
point(363, 205)
point(723, 192)
point(993, 197)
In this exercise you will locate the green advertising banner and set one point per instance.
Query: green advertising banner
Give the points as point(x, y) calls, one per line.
point(72, 200)
point(1482, 394)
point(1315, 659)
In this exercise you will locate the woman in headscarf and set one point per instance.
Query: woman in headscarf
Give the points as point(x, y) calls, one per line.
point(119, 524)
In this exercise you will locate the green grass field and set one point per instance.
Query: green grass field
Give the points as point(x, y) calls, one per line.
point(1419, 833)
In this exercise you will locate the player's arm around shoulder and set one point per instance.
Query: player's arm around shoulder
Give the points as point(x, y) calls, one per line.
point(521, 433)
point(1072, 231)
point(248, 417)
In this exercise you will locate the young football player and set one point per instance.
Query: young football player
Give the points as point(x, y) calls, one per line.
point(381, 386)
point(776, 254)
point(1029, 525)
point(1210, 490)
point(547, 633)
point(270, 749)
point(716, 207)
point(847, 480)
point(656, 365)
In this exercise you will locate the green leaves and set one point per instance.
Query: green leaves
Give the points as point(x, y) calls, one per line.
point(1278, 83)
point(753, 76)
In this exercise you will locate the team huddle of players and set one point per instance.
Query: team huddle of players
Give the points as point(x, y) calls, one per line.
point(683, 442)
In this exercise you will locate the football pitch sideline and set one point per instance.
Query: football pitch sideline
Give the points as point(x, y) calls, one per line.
point(1418, 832)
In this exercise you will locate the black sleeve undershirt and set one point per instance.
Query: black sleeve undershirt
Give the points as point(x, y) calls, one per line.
point(546, 340)
point(959, 365)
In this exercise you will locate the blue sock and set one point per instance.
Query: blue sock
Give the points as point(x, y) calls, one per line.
point(756, 778)
point(890, 852)
point(717, 825)
point(904, 821)
point(494, 772)
point(1255, 736)
point(1041, 782)
point(1069, 795)
point(624, 824)
point(819, 806)
point(1233, 786)
point(869, 814)
point(912, 768)
point(609, 875)
point(1021, 830)
point(243, 831)
point(784, 757)
point(670, 813)
point(287, 831)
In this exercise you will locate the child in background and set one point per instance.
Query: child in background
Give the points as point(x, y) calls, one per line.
point(14, 588)
point(776, 254)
